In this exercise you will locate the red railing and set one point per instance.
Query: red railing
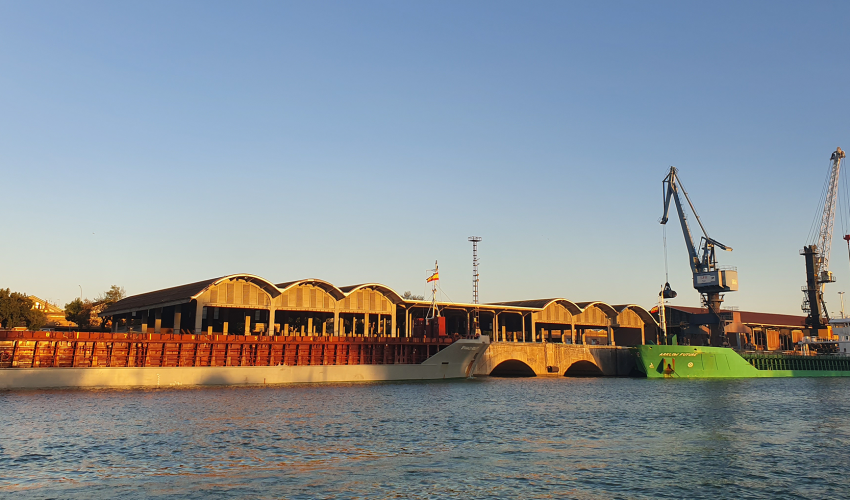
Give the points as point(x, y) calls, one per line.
point(26, 349)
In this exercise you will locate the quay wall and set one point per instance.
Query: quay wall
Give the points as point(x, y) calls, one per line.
point(553, 359)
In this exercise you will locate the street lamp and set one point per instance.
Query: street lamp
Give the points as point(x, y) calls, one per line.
point(81, 292)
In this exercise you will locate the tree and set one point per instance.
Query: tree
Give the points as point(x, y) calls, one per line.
point(16, 310)
point(106, 299)
point(111, 296)
point(408, 295)
point(79, 312)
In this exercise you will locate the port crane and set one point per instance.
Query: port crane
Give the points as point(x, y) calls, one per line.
point(817, 252)
point(710, 280)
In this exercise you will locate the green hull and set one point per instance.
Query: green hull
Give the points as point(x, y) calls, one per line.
point(678, 361)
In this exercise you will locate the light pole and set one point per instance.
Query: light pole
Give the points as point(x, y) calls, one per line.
point(81, 292)
point(842, 304)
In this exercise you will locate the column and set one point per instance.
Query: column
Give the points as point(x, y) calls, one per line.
point(366, 324)
point(247, 322)
point(393, 332)
point(270, 329)
point(144, 326)
point(495, 326)
point(338, 330)
point(199, 317)
point(642, 334)
point(611, 336)
point(523, 327)
point(310, 326)
point(115, 321)
point(157, 322)
point(573, 328)
point(533, 327)
point(178, 317)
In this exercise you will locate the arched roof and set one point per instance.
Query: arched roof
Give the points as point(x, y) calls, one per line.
point(606, 308)
point(324, 285)
point(640, 311)
point(263, 283)
point(387, 291)
point(540, 304)
point(181, 294)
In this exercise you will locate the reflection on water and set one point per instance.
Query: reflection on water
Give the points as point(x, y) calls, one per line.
point(529, 438)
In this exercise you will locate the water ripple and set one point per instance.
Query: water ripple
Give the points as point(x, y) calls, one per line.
point(529, 438)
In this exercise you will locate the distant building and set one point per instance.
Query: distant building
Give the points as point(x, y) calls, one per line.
point(52, 313)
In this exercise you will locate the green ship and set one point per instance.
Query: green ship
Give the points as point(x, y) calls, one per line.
point(681, 361)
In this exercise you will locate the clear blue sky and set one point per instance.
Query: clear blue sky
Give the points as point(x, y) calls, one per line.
point(152, 144)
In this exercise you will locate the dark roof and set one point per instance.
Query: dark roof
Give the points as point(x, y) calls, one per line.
point(532, 303)
point(754, 318)
point(159, 298)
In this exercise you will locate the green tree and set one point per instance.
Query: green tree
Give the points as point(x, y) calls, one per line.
point(106, 299)
point(16, 310)
point(111, 296)
point(408, 295)
point(80, 312)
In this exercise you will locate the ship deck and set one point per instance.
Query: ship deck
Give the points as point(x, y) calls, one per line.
point(28, 349)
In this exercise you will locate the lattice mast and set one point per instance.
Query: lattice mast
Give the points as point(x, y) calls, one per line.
point(818, 251)
point(476, 326)
point(828, 220)
point(434, 311)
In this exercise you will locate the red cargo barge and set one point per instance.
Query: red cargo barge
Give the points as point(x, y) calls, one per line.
point(106, 359)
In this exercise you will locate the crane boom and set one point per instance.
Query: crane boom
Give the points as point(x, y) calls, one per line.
point(817, 252)
point(828, 219)
point(708, 279)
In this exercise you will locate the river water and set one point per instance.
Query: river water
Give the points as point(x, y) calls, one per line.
point(578, 438)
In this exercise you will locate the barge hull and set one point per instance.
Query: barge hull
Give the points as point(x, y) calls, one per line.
point(666, 361)
point(323, 360)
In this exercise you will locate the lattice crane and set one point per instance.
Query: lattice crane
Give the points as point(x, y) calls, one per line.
point(817, 252)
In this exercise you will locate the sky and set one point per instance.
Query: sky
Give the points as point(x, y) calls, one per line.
point(153, 144)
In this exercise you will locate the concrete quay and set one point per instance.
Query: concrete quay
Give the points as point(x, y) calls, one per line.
point(556, 360)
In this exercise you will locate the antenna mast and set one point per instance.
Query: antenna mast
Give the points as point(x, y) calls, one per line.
point(476, 324)
point(434, 311)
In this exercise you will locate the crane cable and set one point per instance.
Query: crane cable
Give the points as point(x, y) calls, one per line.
point(666, 270)
point(817, 220)
point(844, 206)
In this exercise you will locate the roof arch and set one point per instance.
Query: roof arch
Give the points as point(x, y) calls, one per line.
point(263, 283)
point(387, 291)
point(181, 294)
point(570, 306)
point(541, 304)
point(639, 310)
point(606, 308)
point(332, 289)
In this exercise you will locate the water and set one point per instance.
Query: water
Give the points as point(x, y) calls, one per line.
point(516, 438)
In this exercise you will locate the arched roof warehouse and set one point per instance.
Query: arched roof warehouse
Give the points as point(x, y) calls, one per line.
point(181, 294)
point(203, 293)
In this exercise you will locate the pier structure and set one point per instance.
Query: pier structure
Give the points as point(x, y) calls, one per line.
point(246, 304)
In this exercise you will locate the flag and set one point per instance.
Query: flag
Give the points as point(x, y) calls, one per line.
point(434, 277)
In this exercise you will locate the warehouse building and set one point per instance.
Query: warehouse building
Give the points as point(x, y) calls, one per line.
point(245, 304)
